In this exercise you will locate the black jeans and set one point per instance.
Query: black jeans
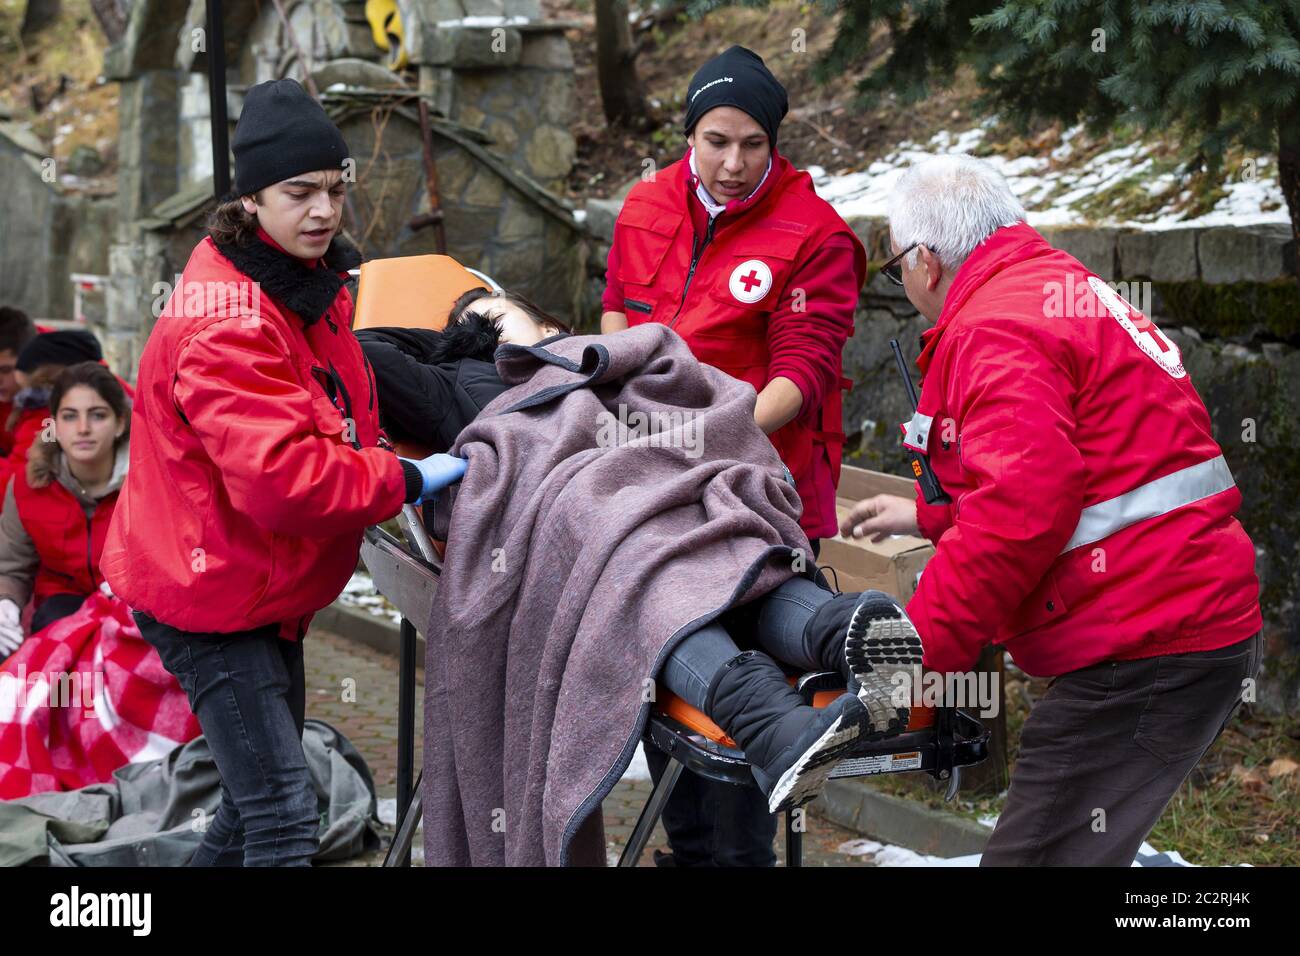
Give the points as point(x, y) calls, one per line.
point(1105, 750)
point(248, 691)
point(715, 824)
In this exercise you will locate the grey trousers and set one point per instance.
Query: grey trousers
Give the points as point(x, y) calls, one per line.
point(1105, 750)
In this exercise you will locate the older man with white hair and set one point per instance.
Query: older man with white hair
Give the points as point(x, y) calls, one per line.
point(1088, 522)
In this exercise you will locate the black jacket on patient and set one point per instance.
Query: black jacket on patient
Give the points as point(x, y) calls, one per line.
point(432, 384)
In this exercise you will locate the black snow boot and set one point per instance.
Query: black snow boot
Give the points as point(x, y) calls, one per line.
point(790, 746)
point(868, 638)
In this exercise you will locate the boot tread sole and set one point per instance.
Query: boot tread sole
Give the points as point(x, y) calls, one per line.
point(804, 780)
point(876, 649)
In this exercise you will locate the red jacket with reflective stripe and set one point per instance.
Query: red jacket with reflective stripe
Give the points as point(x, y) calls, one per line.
point(773, 295)
point(246, 497)
point(1046, 394)
point(68, 542)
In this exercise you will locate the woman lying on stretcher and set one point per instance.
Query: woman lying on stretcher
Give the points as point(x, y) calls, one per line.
point(432, 384)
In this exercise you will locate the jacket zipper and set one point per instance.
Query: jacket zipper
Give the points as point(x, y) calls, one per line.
point(337, 392)
point(696, 255)
point(347, 402)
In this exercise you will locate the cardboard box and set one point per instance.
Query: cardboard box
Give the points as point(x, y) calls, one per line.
point(891, 566)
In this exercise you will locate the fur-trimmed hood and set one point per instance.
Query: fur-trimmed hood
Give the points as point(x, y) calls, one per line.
point(474, 336)
point(307, 292)
point(46, 462)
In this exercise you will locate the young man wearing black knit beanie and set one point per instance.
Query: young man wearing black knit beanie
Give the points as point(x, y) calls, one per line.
point(732, 248)
point(255, 468)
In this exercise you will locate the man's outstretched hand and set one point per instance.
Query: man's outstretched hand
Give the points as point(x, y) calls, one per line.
point(880, 516)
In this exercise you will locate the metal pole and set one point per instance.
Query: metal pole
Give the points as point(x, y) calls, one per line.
point(405, 722)
point(217, 101)
point(794, 838)
point(651, 813)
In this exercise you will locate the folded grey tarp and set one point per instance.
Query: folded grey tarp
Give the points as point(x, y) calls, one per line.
point(153, 813)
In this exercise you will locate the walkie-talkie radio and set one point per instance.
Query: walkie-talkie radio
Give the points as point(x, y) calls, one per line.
point(930, 487)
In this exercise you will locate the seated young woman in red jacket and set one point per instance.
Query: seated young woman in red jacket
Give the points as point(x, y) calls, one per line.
point(432, 384)
point(57, 508)
point(37, 365)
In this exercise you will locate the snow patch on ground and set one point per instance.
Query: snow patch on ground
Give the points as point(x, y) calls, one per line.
point(638, 769)
point(1051, 195)
point(885, 854)
point(386, 810)
point(482, 21)
point(360, 592)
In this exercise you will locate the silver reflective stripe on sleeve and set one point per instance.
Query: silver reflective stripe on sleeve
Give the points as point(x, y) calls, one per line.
point(1151, 500)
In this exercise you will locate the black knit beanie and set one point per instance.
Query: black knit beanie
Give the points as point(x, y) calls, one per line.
point(282, 132)
point(737, 77)
point(61, 347)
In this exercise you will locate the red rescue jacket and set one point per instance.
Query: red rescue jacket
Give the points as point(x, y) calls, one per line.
point(254, 465)
point(1092, 513)
point(771, 293)
point(6, 408)
point(26, 431)
point(68, 542)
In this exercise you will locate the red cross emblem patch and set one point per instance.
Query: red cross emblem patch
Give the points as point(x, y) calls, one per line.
point(751, 280)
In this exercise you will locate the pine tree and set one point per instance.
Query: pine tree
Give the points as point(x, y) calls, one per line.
point(1217, 73)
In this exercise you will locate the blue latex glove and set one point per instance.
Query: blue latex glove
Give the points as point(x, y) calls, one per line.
point(439, 471)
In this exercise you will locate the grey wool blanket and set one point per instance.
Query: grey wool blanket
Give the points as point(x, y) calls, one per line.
point(619, 496)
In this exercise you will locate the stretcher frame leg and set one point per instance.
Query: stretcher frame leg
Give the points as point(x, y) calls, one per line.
point(650, 814)
point(399, 851)
point(794, 838)
point(409, 806)
point(405, 728)
point(654, 810)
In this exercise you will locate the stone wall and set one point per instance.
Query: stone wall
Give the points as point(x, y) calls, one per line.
point(47, 231)
point(502, 95)
point(513, 79)
point(495, 219)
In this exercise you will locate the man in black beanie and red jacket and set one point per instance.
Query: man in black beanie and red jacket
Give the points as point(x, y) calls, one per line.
point(732, 248)
point(255, 468)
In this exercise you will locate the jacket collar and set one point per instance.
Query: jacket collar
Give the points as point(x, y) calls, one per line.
point(711, 205)
point(306, 291)
point(46, 462)
point(1006, 247)
point(778, 168)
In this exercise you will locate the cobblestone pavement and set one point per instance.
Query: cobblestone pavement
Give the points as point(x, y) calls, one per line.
point(354, 688)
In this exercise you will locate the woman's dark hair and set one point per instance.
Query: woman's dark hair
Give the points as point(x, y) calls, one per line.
point(529, 308)
point(230, 224)
point(95, 376)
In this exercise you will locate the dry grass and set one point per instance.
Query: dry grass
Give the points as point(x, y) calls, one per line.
point(1230, 810)
point(58, 71)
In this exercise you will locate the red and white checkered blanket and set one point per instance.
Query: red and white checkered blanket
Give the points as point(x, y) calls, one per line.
point(82, 698)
